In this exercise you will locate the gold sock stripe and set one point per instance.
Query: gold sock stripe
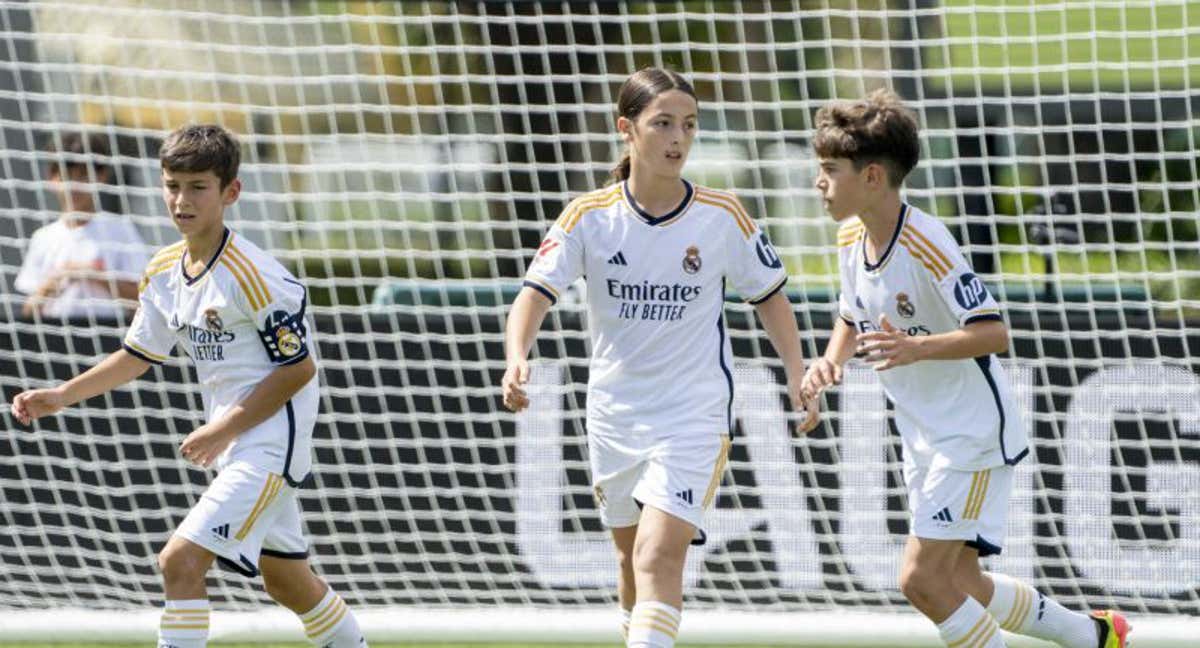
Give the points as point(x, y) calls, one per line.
point(661, 616)
point(990, 631)
point(718, 471)
point(183, 627)
point(177, 615)
point(319, 618)
point(342, 611)
point(269, 491)
point(1022, 604)
point(969, 638)
point(654, 625)
point(310, 616)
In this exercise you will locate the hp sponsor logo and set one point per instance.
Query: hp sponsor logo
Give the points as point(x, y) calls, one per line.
point(766, 253)
point(970, 292)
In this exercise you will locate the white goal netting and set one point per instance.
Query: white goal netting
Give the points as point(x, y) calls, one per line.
point(404, 159)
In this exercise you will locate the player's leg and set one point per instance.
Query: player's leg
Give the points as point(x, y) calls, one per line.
point(328, 621)
point(184, 622)
point(659, 553)
point(926, 580)
point(1021, 609)
point(623, 539)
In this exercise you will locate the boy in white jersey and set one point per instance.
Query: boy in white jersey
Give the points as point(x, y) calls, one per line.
point(912, 307)
point(657, 252)
point(239, 315)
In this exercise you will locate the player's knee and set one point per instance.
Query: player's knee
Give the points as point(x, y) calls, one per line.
point(653, 558)
point(298, 591)
point(919, 585)
point(181, 566)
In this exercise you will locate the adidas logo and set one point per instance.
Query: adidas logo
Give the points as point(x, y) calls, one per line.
point(618, 259)
point(685, 495)
point(944, 515)
point(222, 531)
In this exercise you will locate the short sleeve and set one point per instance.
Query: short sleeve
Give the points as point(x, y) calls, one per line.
point(755, 269)
point(558, 261)
point(149, 337)
point(960, 288)
point(33, 267)
point(280, 315)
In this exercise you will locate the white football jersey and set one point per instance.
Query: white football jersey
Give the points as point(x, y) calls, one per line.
point(956, 413)
point(661, 356)
point(238, 320)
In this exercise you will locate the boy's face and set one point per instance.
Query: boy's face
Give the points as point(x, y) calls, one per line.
point(842, 187)
point(662, 134)
point(196, 201)
point(75, 193)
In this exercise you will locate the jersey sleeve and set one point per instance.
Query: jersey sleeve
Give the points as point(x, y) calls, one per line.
point(278, 303)
point(32, 272)
point(149, 337)
point(558, 261)
point(756, 271)
point(963, 292)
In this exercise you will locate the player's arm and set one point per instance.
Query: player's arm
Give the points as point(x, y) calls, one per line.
point(114, 371)
point(827, 369)
point(780, 324)
point(890, 347)
point(206, 443)
point(524, 319)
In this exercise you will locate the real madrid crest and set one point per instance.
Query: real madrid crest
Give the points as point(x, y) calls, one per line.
point(287, 341)
point(905, 307)
point(212, 320)
point(691, 260)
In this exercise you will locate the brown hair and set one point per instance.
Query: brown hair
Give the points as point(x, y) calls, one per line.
point(641, 88)
point(197, 148)
point(77, 150)
point(875, 129)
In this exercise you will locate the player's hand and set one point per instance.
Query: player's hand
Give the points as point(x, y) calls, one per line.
point(808, 403)
point(888, 347)
point(205, 444)
point(513, 385)
point(821, 374)
point(36, 403)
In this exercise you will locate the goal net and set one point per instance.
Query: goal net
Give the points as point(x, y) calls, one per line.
point(405, 159)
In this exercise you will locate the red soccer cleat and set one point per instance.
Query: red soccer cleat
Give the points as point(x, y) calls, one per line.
point(1114, 629)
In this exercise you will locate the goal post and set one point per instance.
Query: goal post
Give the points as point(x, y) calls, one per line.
point(405, 159)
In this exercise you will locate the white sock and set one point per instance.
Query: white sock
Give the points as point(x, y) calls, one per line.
point(184, 624)
point(970, 626)
point(331, 624)
point(653, 625)
point(1021, 609)
point(624, 624)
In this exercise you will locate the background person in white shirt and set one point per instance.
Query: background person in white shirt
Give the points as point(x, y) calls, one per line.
point(86, 263)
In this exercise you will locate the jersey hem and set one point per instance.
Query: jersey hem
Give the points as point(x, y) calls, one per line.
point(770, 293)
point(140, 354)
point(542, 289)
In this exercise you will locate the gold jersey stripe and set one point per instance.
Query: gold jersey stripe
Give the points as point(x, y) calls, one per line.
point(941, 256)
point(942, 268)
point(608, 200)
point(247, 289)
point(173, 248)
point(730, 204)
point(592, 196)
point(268, 493)
point(916, 254)
point(251, 273)
point(718, 471)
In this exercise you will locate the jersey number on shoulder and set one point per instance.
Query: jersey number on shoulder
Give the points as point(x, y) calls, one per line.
point(766, 253)
point(970, 292)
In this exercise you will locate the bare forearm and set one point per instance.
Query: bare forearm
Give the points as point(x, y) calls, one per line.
point(972, 341)
point(115, 370)
point(524, 320)
point(780, 325)
point(841, 343)
point(268, 397)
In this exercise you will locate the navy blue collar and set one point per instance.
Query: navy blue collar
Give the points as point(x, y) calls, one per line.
point(208, 266)
point(651, 219)
point(871, 267)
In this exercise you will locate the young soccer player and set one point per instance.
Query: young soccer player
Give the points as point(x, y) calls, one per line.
point(912, 307)
point(657, 252)
point(239, 315)
point(81, 264)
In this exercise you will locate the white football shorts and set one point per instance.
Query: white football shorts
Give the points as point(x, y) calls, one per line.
point(246, 512)
point(948, 504)
point(676, 474)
